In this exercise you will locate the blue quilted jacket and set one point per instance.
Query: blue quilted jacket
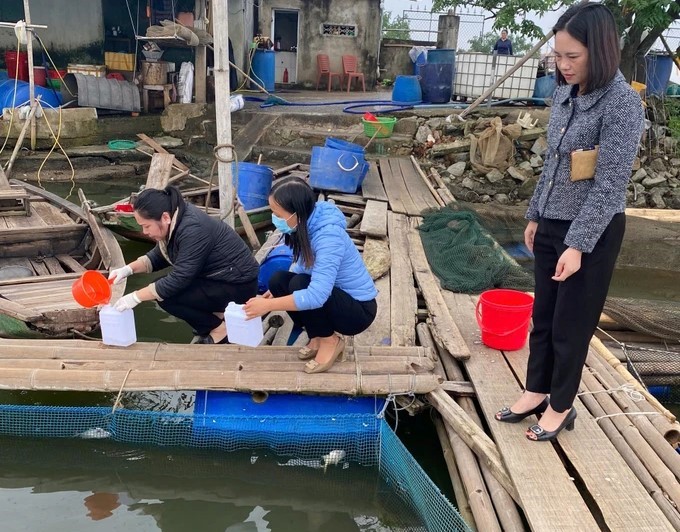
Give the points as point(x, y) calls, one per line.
point(337, 262)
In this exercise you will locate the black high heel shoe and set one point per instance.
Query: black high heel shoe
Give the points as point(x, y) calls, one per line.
point(538, 433)
point(508, 416)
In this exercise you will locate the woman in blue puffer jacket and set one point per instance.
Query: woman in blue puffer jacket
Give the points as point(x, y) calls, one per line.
point(328, 290)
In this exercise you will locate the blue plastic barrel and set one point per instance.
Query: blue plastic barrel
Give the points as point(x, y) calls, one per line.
point(407, 90)
point(420, 61)
point(545, 86)
point(254, 184)
point(339, 144)
point(7, 99)
point(279, 259)
point(444, 55)
point(659, 68)
point(263, 69)
point(435, 82)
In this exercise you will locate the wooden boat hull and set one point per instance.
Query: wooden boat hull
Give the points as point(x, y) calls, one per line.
point(50, 249)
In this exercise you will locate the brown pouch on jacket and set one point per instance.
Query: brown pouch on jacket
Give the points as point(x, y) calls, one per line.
point(583, 163)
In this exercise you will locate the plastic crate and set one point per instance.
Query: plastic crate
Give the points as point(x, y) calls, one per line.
point(98, 71)
point(119, 61)
point(381, 129)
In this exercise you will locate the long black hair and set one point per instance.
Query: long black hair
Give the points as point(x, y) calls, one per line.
point(295, 196)
point(152, 203)
point(593, 25)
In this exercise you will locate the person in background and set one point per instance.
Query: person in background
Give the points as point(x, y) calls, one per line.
point(328, 291)
point(503, 45)
point(576, 215)
point(211, 265)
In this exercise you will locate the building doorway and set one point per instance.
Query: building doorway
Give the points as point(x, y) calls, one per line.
point(285, 28)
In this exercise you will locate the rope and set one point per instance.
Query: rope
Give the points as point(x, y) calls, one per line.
point(628, 414)
point(54, 146)
point(120, 392)
point(220, 159)
point(628, 389)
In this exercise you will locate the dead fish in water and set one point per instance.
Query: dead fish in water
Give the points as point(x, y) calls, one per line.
point(333, 458)
point(96, 433)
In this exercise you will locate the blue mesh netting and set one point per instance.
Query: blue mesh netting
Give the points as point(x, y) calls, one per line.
point(365, 439)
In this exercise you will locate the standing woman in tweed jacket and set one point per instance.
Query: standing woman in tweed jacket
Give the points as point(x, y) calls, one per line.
point(576, 215)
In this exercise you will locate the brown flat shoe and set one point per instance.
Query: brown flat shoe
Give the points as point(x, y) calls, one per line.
point(314, 367)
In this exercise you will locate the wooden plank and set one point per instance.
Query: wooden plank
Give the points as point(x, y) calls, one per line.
point(357, 201)
point(553, 505)
point(459, 388)
point(97, 232)
point(444, 327)
point(426, 181)
point(160, 149)
point(374, 221)
point(251, 134)
point(51, 214)
point(397, 192)
point(71, 263)
point(39, 267)
point(372, 187)
point(283, 334)
point(33, 232)
point(417, 190)
point(160, 170)
point(621, 498)
point(380, 331)
point(20, 312)
point(404, 301)
point(4, 183)
point(54, 266)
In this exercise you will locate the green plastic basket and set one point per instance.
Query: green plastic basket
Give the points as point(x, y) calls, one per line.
point(380, 129)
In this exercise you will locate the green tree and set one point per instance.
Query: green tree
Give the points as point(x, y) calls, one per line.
point(395, 28)
point(641, 22)
point(484, 43)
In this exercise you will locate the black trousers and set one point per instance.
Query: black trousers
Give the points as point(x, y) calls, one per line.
point(566, 313)
point(341, 312)
point(197, 303)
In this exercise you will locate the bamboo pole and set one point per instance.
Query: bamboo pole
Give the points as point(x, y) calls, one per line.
point(656, 429)
point(471, 470)
point(224, 151)
point(503, 502)
point(452, 460)
point(22, 135)
point(367, 366)
point(31, 74)
point(631, 458)
point(473, 436)
point(602, 350)
point(659, 471)
point(271, 381)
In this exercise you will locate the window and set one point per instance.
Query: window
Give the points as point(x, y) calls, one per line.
point(338, 30)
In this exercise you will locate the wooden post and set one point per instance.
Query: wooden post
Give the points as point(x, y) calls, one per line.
point(31, 76)
point(201, 53)
point(223, 150)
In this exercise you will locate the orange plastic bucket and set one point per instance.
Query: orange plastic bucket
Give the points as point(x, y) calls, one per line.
point(91, 289)
point(503, 317)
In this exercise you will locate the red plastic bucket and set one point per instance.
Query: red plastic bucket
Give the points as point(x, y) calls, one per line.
point(11, 62)
point(503, 317)
point(91, 289)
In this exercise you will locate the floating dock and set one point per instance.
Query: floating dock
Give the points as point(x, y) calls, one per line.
point(618, 470)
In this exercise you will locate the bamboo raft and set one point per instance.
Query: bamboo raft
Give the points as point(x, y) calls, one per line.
point(618, 470)
point(42, 252)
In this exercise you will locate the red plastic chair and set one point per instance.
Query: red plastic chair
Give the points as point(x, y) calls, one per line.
point(349, 68)
point(323, 68)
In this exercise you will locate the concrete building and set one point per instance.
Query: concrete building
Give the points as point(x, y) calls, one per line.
point(81, 30)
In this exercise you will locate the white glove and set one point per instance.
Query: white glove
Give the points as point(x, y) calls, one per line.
point(120, 273)
point(126, 302)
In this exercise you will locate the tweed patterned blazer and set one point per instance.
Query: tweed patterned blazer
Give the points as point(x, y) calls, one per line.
point(612, 118)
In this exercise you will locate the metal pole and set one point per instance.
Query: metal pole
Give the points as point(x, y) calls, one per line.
point(31, 75)
point(223, 150)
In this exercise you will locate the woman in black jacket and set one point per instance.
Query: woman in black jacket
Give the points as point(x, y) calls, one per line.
point(211, 265)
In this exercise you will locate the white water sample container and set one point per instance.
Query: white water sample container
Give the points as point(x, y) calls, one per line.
point(241, 330)
point(118, 328)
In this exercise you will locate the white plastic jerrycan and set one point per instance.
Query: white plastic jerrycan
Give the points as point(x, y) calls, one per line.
point(241, 330)
point(118, 328)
